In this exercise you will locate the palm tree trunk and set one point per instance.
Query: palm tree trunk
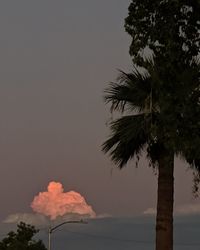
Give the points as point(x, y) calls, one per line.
point(165, 200)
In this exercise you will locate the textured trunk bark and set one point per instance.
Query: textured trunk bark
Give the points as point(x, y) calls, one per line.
point(165, 201)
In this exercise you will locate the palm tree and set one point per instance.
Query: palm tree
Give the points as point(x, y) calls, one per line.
point(161, 118)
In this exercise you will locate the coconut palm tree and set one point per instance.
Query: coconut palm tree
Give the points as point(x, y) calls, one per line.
point(159, 117)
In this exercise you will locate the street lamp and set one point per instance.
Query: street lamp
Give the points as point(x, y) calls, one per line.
point(59, 225)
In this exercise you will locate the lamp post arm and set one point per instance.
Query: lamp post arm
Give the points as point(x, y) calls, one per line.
point(59, 225)
point(71, 221)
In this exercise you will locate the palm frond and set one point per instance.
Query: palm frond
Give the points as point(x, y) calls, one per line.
point(128, 138)
point(131, 91)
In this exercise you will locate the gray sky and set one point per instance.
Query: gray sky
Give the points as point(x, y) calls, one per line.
point(56, 59)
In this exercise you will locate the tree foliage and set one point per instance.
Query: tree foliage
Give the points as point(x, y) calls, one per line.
point(160, 106)
point(170, 28)
point(166, 98)
point(22, 239)
point(155, 115)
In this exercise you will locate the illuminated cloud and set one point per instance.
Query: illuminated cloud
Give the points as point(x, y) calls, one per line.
point(55, 202)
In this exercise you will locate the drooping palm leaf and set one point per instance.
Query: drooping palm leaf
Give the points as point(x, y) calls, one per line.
point(131, 91)
point(129, 137)
point(129, 134)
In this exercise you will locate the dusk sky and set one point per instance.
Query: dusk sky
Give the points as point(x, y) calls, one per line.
point(56, 59)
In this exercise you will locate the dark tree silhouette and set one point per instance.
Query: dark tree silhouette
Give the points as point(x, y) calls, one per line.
point(161, 106)
point(22, 239)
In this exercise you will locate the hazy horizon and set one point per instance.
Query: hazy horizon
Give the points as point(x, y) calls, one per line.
point(117, 233)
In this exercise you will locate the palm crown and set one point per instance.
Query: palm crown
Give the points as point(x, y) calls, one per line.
point(157, 114)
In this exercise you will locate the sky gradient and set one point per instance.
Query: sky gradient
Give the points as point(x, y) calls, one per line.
point(56, 59)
